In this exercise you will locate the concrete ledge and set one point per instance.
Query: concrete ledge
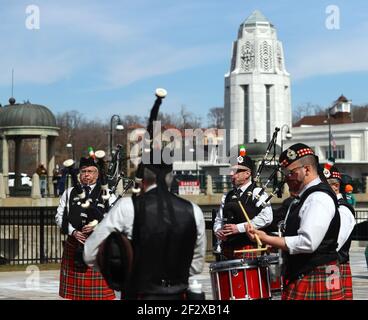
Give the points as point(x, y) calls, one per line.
point(29, 202)
point(201, 200)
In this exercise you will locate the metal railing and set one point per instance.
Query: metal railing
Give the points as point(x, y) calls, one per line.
point(360, 231)
point(29, 235)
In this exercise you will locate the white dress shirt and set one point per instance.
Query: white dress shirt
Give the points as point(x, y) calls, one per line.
point(347, 224)
point(263, 219)
point(315, 215)
point(62, 204)
point(121, 217)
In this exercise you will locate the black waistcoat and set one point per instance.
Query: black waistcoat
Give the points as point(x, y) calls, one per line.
point(78, 216)
point(343, 253)
point(233, 214)
point(299, 264)
point(163, 244)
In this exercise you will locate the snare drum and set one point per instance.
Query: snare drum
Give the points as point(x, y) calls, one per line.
point(241, 279)
point(275, 272)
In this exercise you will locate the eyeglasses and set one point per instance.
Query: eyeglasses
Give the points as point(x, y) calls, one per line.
point(88, 171)
point(288, 173)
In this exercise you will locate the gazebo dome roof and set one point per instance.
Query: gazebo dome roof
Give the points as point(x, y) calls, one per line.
point(26, 115)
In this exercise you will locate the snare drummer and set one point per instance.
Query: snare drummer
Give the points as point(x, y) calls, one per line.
point(312, 225)
point(232, 234)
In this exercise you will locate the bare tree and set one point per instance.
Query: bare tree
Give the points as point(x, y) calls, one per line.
point(307, 109)
point(130, 120)
point(168, 119)
point(188, 120)
point(216, 117)
point(359, 113)
point(81, 134)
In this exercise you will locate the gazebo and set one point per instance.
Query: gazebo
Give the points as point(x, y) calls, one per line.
point(20, 121)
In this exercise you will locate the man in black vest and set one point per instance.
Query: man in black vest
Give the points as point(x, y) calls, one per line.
point(167, 235)
point(311, 270)
point(77, 281)
point(229, 225)
point(347, 217)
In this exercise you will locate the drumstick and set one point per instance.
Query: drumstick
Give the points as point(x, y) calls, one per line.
point(259, 243)
point(250, 250)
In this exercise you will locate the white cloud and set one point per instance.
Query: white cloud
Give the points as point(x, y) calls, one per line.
point(152, 61)
point(74, 38)
point(335, 55)
point(36, 69)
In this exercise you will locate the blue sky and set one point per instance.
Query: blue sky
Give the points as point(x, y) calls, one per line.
point(107, 57)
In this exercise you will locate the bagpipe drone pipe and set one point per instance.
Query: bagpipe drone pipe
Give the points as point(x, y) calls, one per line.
point(115, 255)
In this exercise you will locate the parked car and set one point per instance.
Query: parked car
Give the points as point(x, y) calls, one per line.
point(26, 180)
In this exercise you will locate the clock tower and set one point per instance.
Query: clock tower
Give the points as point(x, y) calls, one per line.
point(257, 88)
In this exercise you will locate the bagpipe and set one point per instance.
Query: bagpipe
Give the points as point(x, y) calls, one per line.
point(81, 200)
point(115, 255)
point(115, 174)
point(257, 178)
point(92, 209)
point(148, 143)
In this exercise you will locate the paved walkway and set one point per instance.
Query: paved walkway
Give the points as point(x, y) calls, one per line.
point(43, 285)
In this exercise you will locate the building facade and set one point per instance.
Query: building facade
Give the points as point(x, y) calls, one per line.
point(257, 88)
point(335, 134)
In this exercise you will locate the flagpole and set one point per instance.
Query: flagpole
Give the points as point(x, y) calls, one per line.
point(329, 134)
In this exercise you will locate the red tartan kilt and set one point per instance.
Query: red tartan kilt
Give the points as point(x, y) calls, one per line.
point(346, 280)
point(314, 286)
point(81, 284)
point(229, 252)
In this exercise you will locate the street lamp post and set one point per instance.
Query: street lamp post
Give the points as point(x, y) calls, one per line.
point(329, 131)
point(118, 127)
point(71, 148)
point(288, 135)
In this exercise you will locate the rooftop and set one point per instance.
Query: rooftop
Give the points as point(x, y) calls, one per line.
point(257, 18)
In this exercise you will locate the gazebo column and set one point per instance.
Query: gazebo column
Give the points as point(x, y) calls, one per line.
point(51, 164)
point(17, 157)
point(43, 157)
point(5, 164)
point(43, 150)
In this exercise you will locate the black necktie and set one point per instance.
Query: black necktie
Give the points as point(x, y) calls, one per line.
point(87, 189)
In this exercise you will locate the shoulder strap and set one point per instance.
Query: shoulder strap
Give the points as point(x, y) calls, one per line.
point(343, 202)
point(322, 187)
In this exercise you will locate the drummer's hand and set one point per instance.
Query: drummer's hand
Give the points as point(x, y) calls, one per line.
point(251, 231)
point(79, 236)
point(87, 229)
point(220, 235)
point(268, 248)
point(229, 229)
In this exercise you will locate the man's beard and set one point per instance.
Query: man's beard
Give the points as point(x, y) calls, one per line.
point(294, 185)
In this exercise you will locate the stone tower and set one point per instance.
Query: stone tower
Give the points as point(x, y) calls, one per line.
point(257, 88)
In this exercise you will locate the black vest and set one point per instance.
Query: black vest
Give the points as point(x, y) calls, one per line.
point(163, 244)
point(79, 216)
point(233, 214)
point(343, 253)
point(299, 264)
